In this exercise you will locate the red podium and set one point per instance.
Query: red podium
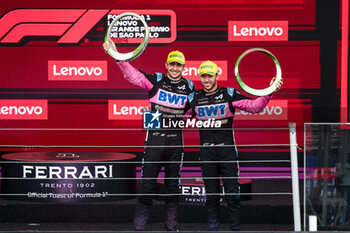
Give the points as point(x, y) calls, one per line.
point(74, 176)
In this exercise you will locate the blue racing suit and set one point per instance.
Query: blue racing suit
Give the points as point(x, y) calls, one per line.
point(221, 105)
point(169, 97)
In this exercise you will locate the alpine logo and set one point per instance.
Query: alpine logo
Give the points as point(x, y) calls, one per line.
point(219, 96)
point(181, 87)
point(258, 30)
point(77, 70)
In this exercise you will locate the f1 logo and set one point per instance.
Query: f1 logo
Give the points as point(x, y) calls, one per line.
point(151, 120)
point(73, 24)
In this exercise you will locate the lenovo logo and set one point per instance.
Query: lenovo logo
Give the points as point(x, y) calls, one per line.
point(258, 30)
point(275, 110)
point(77, 70)
point(191, 70)
point(127, 109)
point(23, 109)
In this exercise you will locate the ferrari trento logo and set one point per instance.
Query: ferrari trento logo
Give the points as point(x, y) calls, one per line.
point(70, 25)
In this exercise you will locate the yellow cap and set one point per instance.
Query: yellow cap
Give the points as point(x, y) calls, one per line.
point(176, 56)
point(208, 67)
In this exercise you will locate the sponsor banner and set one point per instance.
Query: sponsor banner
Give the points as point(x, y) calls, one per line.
point(154, 120)
point(161, 23)
point(191, 70)
point(258, 30)
point(134, 109)
point(193, 190)
point(127, 109)
point(196, 193)
point(73, 25)
point(275, 110)
point(77, 70)
point(76, 176)
point(23, 110)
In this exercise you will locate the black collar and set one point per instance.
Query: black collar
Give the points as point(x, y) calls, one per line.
point(212, 92)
